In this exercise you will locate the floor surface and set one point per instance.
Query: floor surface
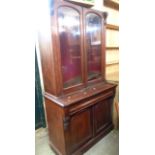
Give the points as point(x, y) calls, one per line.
point(109, 145)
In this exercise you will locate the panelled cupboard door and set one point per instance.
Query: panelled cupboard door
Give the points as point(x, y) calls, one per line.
point(80, 129)
point(102, 115)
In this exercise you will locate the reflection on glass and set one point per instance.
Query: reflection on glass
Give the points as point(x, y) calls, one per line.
point(69, 33)
point(93, 45)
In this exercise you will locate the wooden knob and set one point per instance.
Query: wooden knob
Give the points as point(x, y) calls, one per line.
point(85, 93)
point(69, 97)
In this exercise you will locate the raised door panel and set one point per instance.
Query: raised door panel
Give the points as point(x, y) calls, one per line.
point(70, 40)
point(80, 129)
point(102, 115)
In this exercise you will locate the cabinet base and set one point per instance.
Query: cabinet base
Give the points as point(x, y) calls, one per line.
point(87, 145)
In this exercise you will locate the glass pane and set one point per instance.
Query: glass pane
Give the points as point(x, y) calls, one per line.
point(69, 33)
point(93, 45)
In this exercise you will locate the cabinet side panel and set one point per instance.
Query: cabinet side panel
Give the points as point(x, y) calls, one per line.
point(46, 29)
point(46, 51)
point(55, 126)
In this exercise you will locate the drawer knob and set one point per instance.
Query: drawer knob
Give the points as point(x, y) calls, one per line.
point(69, 97)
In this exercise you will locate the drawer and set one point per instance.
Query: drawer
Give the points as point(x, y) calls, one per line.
point(80, 106)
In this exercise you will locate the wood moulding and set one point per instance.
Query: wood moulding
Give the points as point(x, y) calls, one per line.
point(81, 3)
